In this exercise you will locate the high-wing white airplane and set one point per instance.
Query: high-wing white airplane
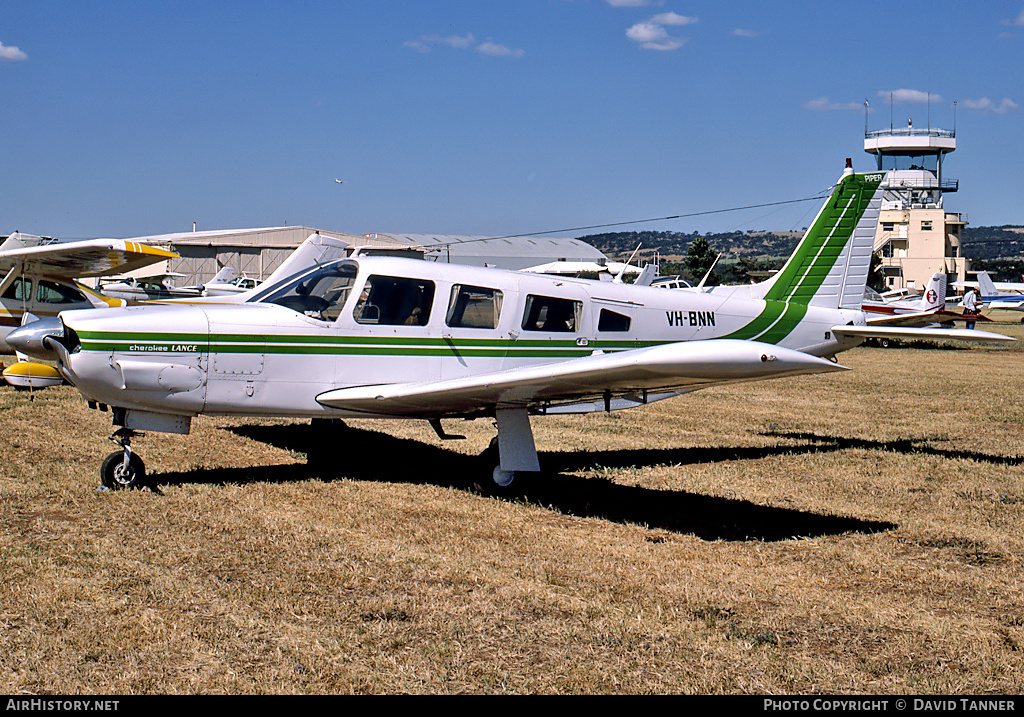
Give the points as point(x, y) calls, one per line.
point(39, 274)
point(39, 280)
point(1011, 287)
point(998, 299)
point(386, 337)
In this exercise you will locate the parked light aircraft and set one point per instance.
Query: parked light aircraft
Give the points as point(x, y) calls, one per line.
point(998, 299)
point(39, 274)
point(1014, 287)
point(225, 283)
point(386, 337)
point(925, 310)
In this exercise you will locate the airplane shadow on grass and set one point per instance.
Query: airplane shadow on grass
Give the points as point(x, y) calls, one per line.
point(357, 454)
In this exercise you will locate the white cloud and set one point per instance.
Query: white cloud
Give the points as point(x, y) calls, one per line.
point(456, 41)
point(496, 50)
point(652, 35)
point(987, 105)
point(1018, 21)
point(426, 43)
point(670, 18)
point(825, 104)
point(913, 97)
point(9, 53)
point(744, 33)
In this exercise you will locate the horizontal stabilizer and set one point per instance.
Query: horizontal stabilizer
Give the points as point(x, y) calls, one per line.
point(912, 333)
point(677, 366)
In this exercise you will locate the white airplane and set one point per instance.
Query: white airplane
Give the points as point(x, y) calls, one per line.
point(387, 337)
point(998, 299)
point(1014, 287)
point(927, 309)
point(225, 282)
point(39, 281)
point(39, 274)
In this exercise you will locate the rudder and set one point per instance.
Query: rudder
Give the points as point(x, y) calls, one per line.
point(829, 267)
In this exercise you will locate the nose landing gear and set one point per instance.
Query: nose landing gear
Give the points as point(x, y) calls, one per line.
point(123, 469)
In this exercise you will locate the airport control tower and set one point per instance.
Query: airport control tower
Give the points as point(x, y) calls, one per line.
point(916, 236)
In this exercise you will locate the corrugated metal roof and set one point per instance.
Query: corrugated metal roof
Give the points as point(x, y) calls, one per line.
point(280, 237)
point(505, 252)
point(511, 252)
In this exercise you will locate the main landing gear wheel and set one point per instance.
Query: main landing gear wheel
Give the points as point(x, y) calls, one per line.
point(123, 471)
point(492, 480)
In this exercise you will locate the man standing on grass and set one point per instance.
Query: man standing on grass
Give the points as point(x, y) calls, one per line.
point(970, 304)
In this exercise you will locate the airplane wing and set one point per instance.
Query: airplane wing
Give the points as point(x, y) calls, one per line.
point(921, 318)
point(917, 318)
point(81, 259)
point(909, 333)
point(1006, 303)
point(682, 366)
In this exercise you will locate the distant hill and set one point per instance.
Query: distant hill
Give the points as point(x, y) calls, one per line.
point(1005, 242)
point(990, 243)
point(998, 250)
point(677, 244)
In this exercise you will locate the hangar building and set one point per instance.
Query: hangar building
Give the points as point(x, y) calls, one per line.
point(258, 252)
point(504, 252)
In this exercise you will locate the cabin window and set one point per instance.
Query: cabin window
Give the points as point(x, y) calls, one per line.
point(53, 293)
point(612, 321)
point(19, 290)
point(320, 294)
point(552, 314)
point(473, 307)
point(395, 301)
point(926, 226)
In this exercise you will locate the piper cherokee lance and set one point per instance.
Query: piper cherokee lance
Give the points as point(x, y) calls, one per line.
point(386, 337)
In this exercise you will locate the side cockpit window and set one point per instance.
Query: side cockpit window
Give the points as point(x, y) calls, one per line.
point(552, 314)
point(19, 290)
point(474, 307)
point(395, 301)
point(50, 292)
point(612, 321)
point(320, 294)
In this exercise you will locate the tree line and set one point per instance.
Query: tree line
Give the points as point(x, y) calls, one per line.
point(751, 255)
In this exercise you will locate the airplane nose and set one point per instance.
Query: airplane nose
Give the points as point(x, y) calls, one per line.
point(31, 338)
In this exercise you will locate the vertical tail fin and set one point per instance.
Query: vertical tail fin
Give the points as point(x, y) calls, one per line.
point(829, 267)
point(935, 293)
point(225, 275)
point(986, 285)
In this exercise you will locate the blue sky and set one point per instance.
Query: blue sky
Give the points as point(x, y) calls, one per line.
point(487, 117)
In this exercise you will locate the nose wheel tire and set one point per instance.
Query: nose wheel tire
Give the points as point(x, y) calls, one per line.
point(115, 475)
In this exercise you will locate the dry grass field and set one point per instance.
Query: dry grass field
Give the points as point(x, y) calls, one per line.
point(861, 532)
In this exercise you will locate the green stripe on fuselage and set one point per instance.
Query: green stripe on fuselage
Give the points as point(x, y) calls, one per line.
point(334, 345)
point(768, 316)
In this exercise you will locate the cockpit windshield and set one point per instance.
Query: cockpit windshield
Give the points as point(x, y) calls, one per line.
point(319, 293)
